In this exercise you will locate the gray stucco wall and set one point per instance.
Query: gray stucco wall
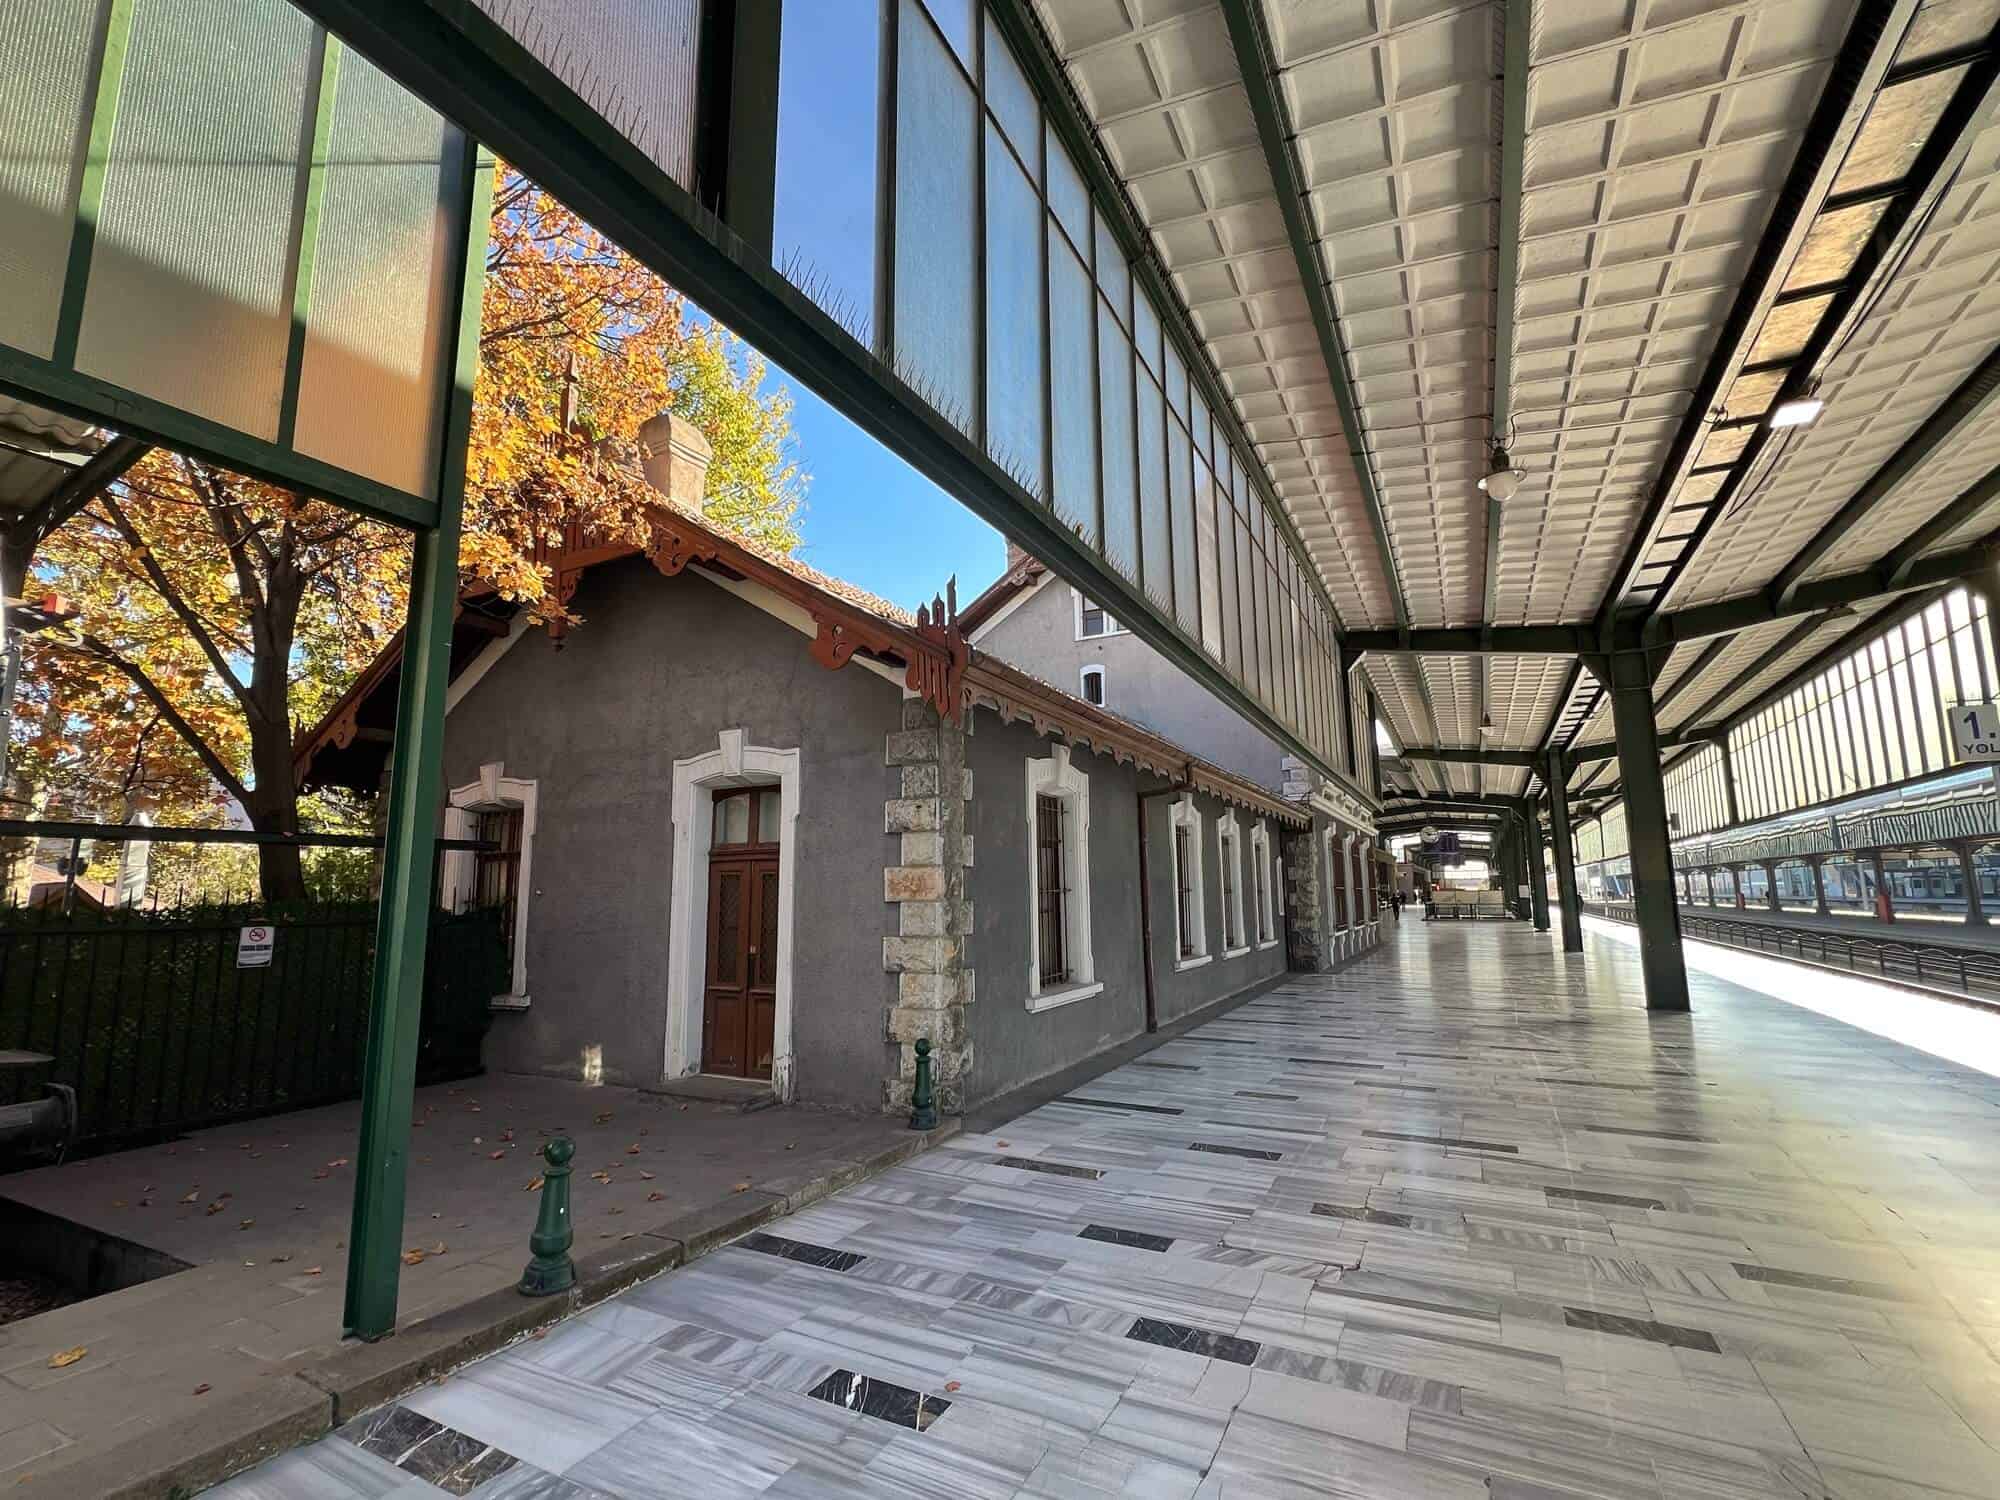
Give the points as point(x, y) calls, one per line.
point(1013, 1045)
point(656, 670)
point(1178, 991)
point(1039, 636)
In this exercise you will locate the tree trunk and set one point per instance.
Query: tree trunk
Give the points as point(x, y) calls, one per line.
point(273, 806)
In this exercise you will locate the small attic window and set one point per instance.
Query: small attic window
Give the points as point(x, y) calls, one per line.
point(1093, 685)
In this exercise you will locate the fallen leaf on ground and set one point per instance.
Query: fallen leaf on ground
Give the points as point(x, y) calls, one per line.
point(279, 1260)
point(245, 1223)
point(741, 1187)
point(1000, 1143)
point(338, 1161)
point(633, 1149)
point(534, 1185)
point(438, 1248)
point(298, 1208)
point(600, 1176)
point(216, 1207)
point(600, 1119)
point(539, 1333)
point(202, 1389)
point(67, 1358)
point(655, 1196)
point(191, 1197)
point(951, 1385)
point(321, 1176)
point(496, 1156)
point(413, 1256)
point(614, 1210)
point(791, 1145)
point(644, 1131)
point(312, 1270)
point(645, 1176)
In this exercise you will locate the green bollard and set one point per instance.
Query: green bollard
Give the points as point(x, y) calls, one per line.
point(923, 1098)
point(550, 1269)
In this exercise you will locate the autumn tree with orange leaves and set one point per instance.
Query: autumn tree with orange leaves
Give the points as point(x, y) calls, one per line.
point(217, 614)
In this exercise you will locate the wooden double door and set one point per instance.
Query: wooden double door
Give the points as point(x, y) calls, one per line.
point(740, 997)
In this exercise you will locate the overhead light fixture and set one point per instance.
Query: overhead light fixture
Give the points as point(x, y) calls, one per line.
point(1503, 480)
point(1486, 723)
point(1800, 413)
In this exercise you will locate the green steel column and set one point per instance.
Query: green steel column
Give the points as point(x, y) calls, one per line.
point(402, 924)
point(1629, 675)
point(1729, 781)
point(1557, 780)
point(1538, 874)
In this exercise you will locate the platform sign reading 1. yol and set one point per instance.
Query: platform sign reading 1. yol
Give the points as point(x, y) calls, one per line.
point(253, 947)
point(1975, 730)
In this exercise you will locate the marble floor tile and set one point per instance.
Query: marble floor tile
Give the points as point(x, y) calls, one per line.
point(1461, 1222)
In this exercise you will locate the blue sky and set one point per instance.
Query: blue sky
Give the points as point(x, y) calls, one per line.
point(870, 518)
point(873, 520)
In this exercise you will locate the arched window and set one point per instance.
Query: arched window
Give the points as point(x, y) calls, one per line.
point(1092, 683)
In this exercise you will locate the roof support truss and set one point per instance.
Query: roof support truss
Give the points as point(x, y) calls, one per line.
point(1256, 61)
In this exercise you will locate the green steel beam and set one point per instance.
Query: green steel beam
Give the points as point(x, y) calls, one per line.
point(312, 201)
point(1963, 409)
point(1701, 664)
point(1471, 755)
point(1897, 565)
point(1513, 158)
point(91, 400)
point(1864, 57)
point(1475, 640)
point(402, 923)
point(1257, 63)
point(465, 64)
point(114, 44)
point(80, 486)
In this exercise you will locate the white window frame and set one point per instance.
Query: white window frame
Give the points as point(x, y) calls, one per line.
point(1104, 682)
point(1056, 775)
point(1185, 814)
point(731, 763)
point(1229, 846)
point(1111, 625)
point(494, 791)
point(1264, 865)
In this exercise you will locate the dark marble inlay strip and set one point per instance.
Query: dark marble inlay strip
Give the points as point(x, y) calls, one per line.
point(1440, 1056)
point(1442, 1140)
point(1053, 1168)
point(1641, 1328)
point(1145, 1109)
point(1112, 1235)
point(1592, 1083)
point(1327, 1062)
point(1813, 1281)
point(1235, 1151)
point(1260, 1094)
point(1363, 1215)
point(454, 1461)
point(1215, 1041)
point(1662, 1135)
point(812, 1255)
point(1558, 1196)
point(1175, 1067)
point(1383, 1083)
point(1195, 1340)
point(883, 1399)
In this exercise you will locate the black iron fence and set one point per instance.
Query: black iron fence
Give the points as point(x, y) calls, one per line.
point(1973, 972)
point(165, 1020)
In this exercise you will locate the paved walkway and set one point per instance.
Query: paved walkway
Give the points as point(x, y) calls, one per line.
point(261, 1211)
point(1462, 1221)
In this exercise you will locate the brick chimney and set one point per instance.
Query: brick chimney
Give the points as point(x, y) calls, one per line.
point(1017, 556)
point(675, 457)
